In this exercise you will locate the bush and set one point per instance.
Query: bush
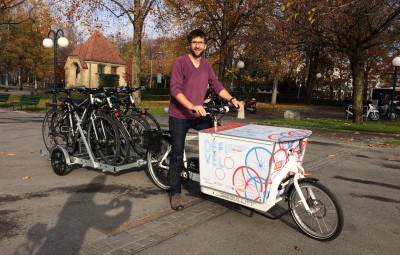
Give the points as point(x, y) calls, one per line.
point(108, 80)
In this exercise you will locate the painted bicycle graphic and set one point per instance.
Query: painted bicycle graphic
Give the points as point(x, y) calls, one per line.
point(255, 182)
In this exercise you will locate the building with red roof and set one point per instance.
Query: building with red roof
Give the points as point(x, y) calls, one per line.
point(91, 58)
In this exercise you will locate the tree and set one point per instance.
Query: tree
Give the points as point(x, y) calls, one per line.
point(351, 27)
point(21, 35)
point(223, 21)
point(96, 13)
point(9, 6)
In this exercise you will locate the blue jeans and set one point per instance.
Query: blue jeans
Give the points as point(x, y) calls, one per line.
point(179, 129)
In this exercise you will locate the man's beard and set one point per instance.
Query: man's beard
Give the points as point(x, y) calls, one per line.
point(195, 55)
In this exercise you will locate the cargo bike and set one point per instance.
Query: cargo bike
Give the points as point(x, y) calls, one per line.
point(255, 166)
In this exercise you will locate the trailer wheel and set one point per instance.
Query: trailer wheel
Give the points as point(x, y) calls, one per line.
point(59, 162)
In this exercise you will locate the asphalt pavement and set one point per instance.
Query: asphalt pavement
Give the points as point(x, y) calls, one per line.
point(90, 212)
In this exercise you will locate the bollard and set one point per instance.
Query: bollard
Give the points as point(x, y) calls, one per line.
point(241, 110)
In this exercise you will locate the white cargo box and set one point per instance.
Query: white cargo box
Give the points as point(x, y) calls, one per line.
point(240, 161)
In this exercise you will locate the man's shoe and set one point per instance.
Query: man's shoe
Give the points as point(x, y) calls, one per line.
point(176, 202)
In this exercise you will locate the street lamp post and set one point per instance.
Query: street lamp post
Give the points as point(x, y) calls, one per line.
point(396, 63)
point(298, 92)
point(19, 79)
point(319, 75)
point(240, 115)
point(49, 43)
point(240, 65)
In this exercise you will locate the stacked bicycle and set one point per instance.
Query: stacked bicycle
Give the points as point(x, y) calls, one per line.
point(95, 132)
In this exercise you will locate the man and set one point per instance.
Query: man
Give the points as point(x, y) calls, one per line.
point(191, 75)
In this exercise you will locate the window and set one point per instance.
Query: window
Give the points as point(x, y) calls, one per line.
point(114, 70)
point(100, 69)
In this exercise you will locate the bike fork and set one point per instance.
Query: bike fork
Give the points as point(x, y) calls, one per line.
point(297, 187)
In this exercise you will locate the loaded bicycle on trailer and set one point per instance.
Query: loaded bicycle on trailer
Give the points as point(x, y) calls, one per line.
point(93, 132)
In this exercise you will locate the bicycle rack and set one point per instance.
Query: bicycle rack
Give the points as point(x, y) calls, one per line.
point(84, 159)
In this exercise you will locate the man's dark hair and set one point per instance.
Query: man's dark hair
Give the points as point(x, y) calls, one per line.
point(196, 33)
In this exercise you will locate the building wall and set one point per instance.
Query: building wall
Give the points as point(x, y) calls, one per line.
point(89, 77)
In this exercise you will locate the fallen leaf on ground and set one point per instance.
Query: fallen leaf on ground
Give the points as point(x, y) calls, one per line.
point(297, 248)
point(350, 139)
point(307, 174)
point(356, 133)
point(26, 178)
point(10, 154)
point(391, 159)
point(331, 155)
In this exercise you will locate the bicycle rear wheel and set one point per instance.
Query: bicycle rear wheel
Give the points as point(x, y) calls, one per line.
point(158, 165)
point(135, 128)
point(125, 146)
point(325, 222)
point(103, 139)
point(152, 121)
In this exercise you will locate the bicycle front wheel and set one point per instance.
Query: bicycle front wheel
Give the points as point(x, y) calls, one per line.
point(55, 129)
point(103, 139)
point(158, 165)
point(325, 222)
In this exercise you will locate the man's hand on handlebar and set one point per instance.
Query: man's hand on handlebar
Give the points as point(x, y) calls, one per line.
point(199, 109)
point(237, 104)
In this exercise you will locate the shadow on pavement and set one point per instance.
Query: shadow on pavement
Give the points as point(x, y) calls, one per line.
point(68, 234)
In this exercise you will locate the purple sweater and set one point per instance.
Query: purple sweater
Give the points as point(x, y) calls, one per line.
point(193, 83)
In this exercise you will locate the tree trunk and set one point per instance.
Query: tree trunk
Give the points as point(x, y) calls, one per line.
point(136, 59)
point(222, 63)
point(312, 71)
point(357, 69)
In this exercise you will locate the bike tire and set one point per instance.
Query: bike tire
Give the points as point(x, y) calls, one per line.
point(392, 115)
point(374, 116)
point(46, 130)
point(158, 165)
point(103, 139)
point(327, 212)
point(125, 145)
point(152, 121)
point(59, 162)
point(136, 128)
point(55, 129)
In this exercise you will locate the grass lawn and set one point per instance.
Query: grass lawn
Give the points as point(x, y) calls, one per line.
point(381, 126)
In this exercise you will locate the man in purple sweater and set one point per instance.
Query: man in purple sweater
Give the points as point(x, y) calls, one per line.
point(191, 75)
